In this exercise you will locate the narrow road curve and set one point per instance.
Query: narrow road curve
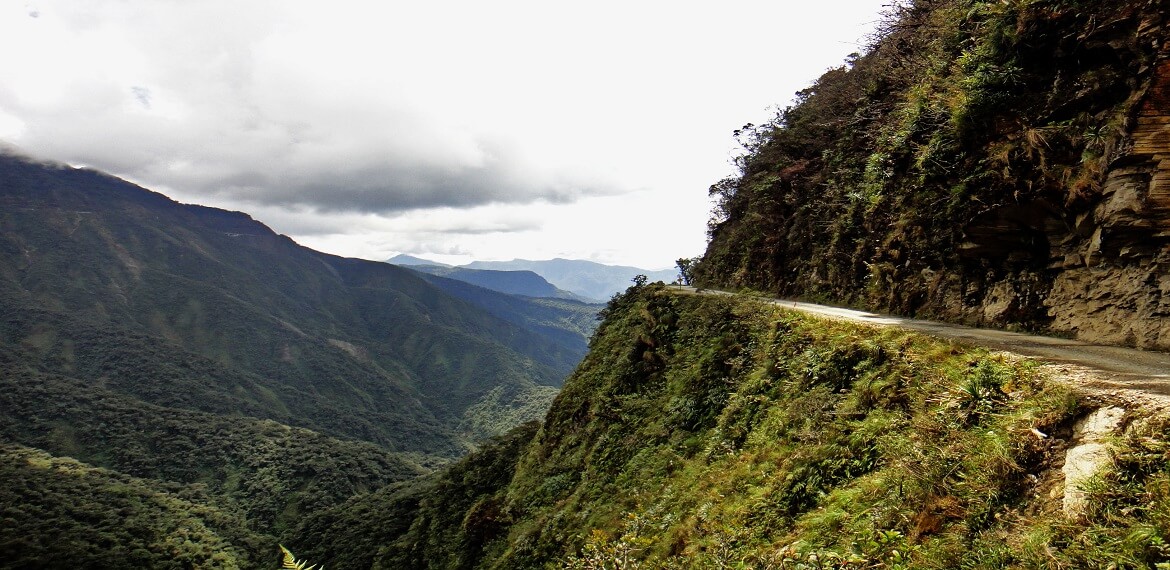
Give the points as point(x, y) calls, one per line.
point(1121, 372)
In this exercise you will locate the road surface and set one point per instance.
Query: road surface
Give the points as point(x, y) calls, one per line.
point(1122, 372)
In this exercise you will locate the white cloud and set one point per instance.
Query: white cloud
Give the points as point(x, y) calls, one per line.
point(320, 114)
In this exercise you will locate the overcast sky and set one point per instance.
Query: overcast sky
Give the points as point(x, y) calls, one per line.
point(450, 130)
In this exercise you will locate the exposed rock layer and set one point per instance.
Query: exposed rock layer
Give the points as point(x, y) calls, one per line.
point(1002, 164)
point(1117, 289)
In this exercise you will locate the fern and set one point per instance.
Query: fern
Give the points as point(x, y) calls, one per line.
point(291, 562)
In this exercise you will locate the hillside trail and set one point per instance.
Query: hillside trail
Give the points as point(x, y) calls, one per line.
point(1112, 373)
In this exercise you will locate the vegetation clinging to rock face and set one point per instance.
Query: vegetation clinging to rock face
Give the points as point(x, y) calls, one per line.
point(955, 169)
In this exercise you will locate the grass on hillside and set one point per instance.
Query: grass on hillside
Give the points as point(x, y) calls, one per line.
point(822, 444)
point(720, 432)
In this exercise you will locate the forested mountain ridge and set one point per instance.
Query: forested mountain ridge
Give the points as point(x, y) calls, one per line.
point(88, 252)
point(587, 278)
point(522, 283)
point(994, 163)
point(194, 349)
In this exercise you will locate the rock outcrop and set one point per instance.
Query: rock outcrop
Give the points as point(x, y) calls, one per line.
point(1027, 187)
point(1116, 290)
point(1088, 455)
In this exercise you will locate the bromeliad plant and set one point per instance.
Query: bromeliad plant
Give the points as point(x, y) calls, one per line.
point(290, 561)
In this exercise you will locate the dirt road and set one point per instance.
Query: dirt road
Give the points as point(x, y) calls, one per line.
point(1117, 372)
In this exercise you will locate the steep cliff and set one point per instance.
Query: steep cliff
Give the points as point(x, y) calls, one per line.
point(1000, 163)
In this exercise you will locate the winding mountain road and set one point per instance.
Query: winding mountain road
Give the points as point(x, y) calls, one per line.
point(1125, 373)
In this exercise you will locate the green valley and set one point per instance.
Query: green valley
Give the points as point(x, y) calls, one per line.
point(189, 346)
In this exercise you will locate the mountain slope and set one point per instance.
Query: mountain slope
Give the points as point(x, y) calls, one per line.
point(993, 163)
point(193, 347)
point(586, 278)
point(352, 348)
point(524, 283)
point(709, 432)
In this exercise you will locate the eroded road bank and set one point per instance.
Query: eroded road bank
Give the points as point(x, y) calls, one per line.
point(1128, 375)
point(1114, 380)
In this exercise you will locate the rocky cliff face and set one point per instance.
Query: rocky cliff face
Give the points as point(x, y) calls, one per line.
point(1117, 288)
point(994, 163)
point(1108, 277)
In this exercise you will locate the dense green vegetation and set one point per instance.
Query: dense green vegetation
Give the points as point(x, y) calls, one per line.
point(272, 473)
point(59, 513)
point(441, 521)
point(181, 349)
point(567, 322)
point(709, 432)
point(968, 147)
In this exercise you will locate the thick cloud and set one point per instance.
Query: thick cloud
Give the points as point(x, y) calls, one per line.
point(266, 103)
point(431, 222)
point(340, 178)
point(511, 128)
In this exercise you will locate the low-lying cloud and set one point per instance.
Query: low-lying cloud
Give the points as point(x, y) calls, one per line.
point(262, 110)
point(512, 128)
point(343, 180)
point(431, 222)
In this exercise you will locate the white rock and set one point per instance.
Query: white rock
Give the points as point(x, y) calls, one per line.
point(1088, 455)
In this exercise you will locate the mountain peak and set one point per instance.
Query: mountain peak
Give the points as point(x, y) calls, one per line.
point(588, 279)
point(406, 259)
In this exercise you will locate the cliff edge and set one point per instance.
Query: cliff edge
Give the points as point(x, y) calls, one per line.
point(991, 163)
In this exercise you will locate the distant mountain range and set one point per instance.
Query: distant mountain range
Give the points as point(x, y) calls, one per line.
point(588, 280)
point(404, 259)
point(525, 283)
point(567, 322)
point(177, 344)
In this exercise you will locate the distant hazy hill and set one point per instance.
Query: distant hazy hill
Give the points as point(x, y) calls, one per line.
point(519, 297)
point(565, 321)
point(191, 345)
point(404, 259)
point(526, 283)
point(586, 278)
